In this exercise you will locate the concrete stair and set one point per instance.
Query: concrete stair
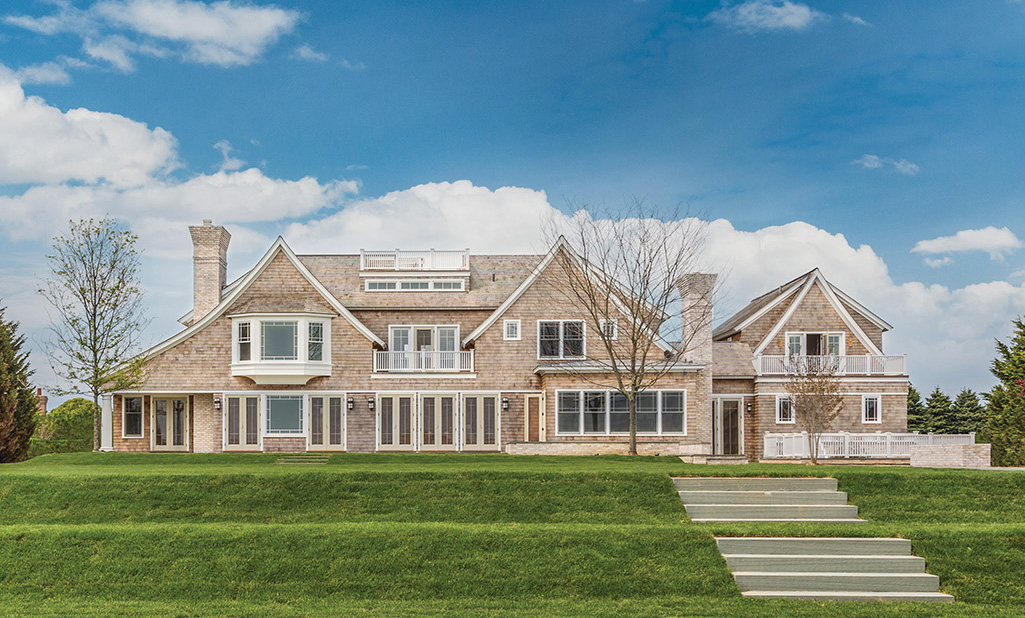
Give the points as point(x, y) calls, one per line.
point(303, 459)
point(734, 499)
point(844, 569)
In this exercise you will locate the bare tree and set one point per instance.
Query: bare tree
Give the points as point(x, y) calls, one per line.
point(630, 277)
point(94, 290)
point(816, 396)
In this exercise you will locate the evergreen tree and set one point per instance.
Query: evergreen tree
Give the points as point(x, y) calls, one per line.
point(18, 404)
point(969, 413)
point(1006, 425)
point(941, 412)
point(918, 418)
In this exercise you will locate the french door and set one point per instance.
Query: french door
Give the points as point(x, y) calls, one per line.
point(480, 423)
point(395, 423)
point(170, 424)
point(327, 424)
point(438, 422)
point(242, 424)
point(727, 417)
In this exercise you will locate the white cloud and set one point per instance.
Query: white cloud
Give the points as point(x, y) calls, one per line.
point(997, 242)
point(937, 262)
point(44, 73)
point(43, 144)
point(229, 163)
point(854, 19)
point(224, 33)
point(305, 52)
point(902, 166)
point(756, 15)
point(352, 66)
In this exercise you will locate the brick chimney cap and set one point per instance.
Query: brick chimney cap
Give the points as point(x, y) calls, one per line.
point(208, 222)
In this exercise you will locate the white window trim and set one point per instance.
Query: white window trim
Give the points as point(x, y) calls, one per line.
point(142, 417)
point(265, 416)
point(583, 328)
point(879, 408)
point(412, 335)
point(505, 330)
point(608, 410)
point(431, 287)
point(302, 320)
point(615, 327)
point(804, 341)
point(793, 413)
point(241, 447)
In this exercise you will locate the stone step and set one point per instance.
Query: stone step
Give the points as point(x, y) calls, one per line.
point(846, 564)
point(748, 483)
point(763, 497)
point(727, 460)
point(821, 546)
point(762, 512)
point(829, 581)
point(849, 596)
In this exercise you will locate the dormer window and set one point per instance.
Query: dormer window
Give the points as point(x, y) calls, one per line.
point(290, 348)
point(415, 285)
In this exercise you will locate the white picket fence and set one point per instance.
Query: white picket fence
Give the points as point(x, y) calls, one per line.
point(845, 445)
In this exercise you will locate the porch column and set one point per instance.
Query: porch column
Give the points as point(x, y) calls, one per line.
point(106, 423)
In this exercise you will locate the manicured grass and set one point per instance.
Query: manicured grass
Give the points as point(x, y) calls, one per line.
point(456, 535)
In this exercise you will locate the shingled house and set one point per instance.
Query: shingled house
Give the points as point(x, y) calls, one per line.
point(452, 351)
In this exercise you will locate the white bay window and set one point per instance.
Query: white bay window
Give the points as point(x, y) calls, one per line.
point(281, 348)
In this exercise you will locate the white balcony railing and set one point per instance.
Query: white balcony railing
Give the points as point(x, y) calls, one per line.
point(398, 260)
point(423, 362)
point(845, 445)
point(866, 364)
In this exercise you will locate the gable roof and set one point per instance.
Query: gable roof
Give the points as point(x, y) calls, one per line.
point(800, 286)
point(560, 244)
point(236, 289)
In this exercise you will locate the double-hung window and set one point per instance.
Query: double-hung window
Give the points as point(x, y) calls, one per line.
point(608, 413)
point(511, 330)
point(560, 339)
point(871, 409)
point(315, 341)
point(131, 425)
point(245, 341)
point(784, 410)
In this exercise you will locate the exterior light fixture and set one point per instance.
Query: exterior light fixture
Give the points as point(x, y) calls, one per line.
point(505, 403)
point(370, 403)
point(350, 403)
point(217, 402)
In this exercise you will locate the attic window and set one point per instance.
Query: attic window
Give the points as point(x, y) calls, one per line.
point(415, 285)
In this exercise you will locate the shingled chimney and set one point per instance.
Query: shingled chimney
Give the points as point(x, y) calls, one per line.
point(209, 266)
point(696, 291)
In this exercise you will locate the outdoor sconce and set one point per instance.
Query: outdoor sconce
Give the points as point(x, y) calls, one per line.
point(749, 407)
point(505, 403)
point(350, 403)
point(370, 403)
point(217, 402)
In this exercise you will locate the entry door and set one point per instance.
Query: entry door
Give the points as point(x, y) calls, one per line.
point(533, 419)
point(728, 427)
point(242, 424)
point(327, 424)
point(480, 423)
point(438, 423)
point(395, 423)
point(424, 343)
point(170, 424)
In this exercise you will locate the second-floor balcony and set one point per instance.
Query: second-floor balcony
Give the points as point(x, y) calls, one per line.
point(423, 361)
point(398, 260)
point(856, 364)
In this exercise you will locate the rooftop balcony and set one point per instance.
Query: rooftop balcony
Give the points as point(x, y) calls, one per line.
point(404, 261)
point(866, 365)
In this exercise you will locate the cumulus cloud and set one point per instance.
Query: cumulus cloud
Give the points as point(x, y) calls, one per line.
point(997, 242)
point(224, 33)
point(43, 73)
point(228, 162)
point(305, 52)
point(874, 162)
point(937, 262)
point(757, 15)
point(42, 144)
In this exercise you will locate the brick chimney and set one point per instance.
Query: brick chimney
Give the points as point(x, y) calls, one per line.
point(42, 401)
point(696, 293)
point(209, 266)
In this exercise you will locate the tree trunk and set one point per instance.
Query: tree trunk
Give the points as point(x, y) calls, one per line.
point(632, 402)
point(96, 422)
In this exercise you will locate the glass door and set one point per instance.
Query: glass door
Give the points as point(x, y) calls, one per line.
point(327, 424)
point(437, 423)
point(395, 423)
point(728, 433)
point(480, 423)
point(242, 424)
point(170, 424)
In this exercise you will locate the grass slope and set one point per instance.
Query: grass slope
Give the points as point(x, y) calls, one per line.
point(459, 535)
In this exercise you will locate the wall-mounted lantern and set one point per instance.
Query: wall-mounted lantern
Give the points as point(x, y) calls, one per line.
point(505, 403)
point(350, 403)
point(370, 403)
point(217, 402)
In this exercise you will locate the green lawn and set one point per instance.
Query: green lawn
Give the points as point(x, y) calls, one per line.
point(456, 535)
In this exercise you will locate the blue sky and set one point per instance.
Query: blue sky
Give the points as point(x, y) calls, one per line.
point(880, 141)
